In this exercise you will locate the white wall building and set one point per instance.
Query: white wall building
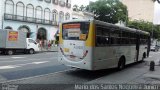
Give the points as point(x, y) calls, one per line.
point(156, 19)
point(39, 18)
point(82, 15)
point(140, 9)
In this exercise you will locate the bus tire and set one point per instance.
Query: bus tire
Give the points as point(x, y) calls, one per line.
point(121, 63)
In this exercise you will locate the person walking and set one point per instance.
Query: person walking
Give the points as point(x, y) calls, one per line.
point(40, 43)
point(49, 44)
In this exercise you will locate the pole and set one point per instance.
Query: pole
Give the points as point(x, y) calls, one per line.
point(2, 22)
point(152, 32)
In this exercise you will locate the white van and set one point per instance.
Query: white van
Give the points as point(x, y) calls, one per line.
point(16, 41)
point(32, 46)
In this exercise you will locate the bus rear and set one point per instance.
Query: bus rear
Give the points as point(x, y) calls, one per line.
point(76, 43)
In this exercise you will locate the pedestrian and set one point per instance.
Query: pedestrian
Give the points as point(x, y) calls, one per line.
point(49, 44)
point(40, 43)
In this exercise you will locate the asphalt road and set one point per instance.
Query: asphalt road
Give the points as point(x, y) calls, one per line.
point(132, 74)
point(22, 66)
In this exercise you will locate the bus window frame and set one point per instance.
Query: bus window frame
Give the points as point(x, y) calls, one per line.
point(80, 30)
point(102, 36)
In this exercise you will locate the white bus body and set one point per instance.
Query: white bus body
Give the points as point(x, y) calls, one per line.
point(100, 46)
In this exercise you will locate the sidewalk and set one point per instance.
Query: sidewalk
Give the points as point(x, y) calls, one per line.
point(52, 49)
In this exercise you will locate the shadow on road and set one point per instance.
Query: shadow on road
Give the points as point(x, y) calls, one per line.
point(91, 75)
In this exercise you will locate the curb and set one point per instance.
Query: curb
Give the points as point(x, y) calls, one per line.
point(157, 62)
point(152, 76)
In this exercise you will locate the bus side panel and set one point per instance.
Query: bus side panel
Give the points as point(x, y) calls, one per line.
point(104, 58)
point(142, 49)
point(108, 57)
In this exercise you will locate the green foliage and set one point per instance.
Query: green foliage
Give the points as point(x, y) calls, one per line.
point(146, 26)
point(110, 11)
point(77, 8)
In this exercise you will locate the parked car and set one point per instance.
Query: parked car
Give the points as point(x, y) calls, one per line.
point(154, 48)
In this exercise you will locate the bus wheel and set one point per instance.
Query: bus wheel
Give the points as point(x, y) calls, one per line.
point(121, 63)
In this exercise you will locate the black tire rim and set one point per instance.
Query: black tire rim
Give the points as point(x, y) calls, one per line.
point(31, 51)
point(10, 52)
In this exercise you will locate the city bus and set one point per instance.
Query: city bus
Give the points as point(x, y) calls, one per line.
point(96, 45)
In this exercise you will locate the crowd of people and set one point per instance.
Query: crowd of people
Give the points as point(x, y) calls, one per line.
point(44, 44)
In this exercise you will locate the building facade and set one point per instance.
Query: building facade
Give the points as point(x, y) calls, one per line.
point(39, 18)
point(82, 15)
point(140, 9)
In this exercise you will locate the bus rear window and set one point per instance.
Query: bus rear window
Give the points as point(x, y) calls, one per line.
point(75, 31)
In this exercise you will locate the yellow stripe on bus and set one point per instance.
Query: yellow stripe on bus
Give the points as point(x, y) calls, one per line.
point(60, 35)
point(90, 42)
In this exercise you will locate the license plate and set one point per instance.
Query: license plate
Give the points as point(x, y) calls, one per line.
point(66, 50)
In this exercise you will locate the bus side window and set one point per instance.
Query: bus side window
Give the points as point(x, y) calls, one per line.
point(102, 36)
point(115, 36)
point(98, 36)
point(126, 37)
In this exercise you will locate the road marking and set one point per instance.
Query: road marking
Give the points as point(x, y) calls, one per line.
point(40, 62)
point(21, 65)
point(4, 58)
point(13, 60)
point(34, 59)
point(8, 67)
point(17, 57)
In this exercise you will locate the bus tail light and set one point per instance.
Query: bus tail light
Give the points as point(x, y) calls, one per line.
point(85, 54)
point(61, 50)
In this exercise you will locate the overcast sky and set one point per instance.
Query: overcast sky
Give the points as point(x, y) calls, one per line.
point(81, 2)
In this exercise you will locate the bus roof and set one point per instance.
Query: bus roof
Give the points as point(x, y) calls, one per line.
point(77, 20)
point(109, 25)
point(121, 27)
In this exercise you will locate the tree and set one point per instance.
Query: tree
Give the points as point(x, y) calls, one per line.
point(146, 26)
point(82, 8)
point(157, 1)
point(75, 8)
point(110, 11)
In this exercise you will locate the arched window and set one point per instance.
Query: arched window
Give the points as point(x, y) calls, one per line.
point(61, 16)
point(39, 12)
point(67, 16)
point(54, 15)
point(9, 7)
point(30, 10)
point(20, 9)
point(47, 14)
point(48, 1)
point(26, 29)
point(8, 27)
point(68, 1)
